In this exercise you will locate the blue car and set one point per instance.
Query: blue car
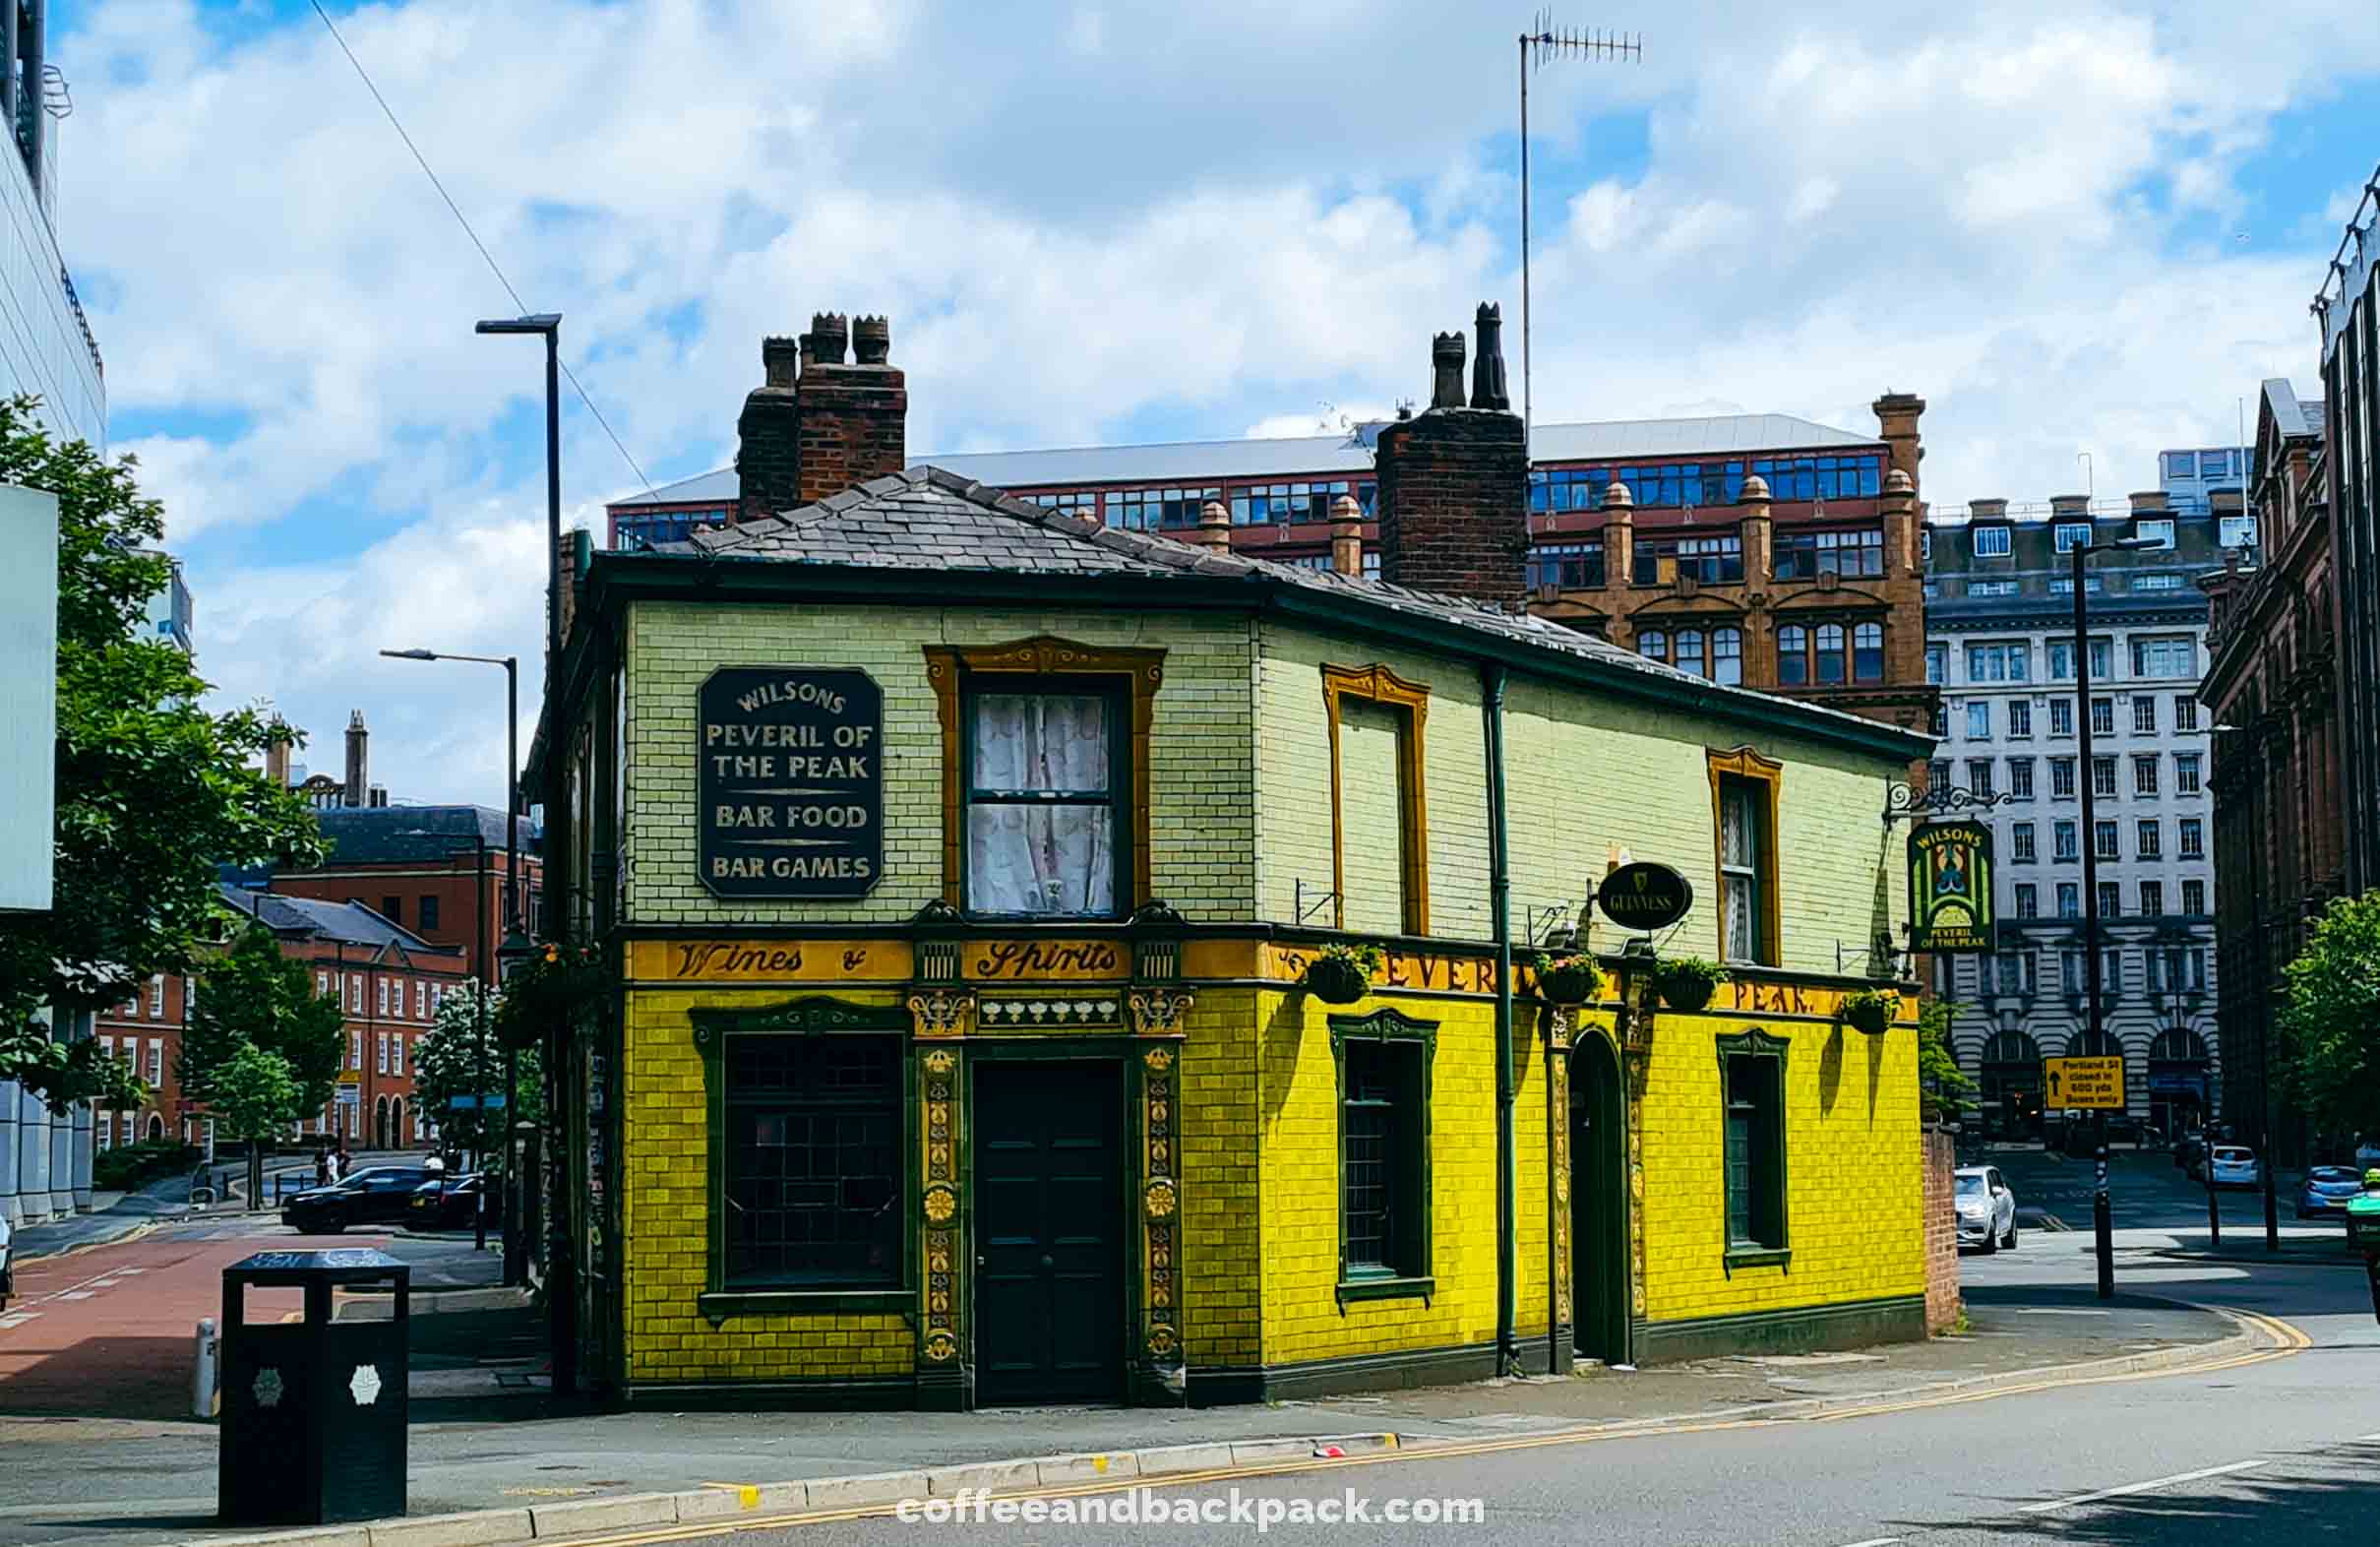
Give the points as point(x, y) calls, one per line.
point(2328, 1190)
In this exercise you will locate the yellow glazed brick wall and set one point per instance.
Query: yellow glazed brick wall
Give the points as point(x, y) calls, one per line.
point(1222, 1221)
point(1854, 1176)
point(1584, 773)
point(1201, 830)
point(665, 1205)
point(1299, 1099)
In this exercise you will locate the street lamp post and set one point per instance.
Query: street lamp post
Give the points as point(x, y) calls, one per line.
point(512, 903)
point(561, 1288)
point(2101, 1211)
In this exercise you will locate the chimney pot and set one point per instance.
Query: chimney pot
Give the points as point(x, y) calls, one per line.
point(779, 361)
point(1446, 368)
point(1346, 536)
point(1488, 388)
point(870, 341)
point(829, 336)
point(1987, 510)
point(2069, 504)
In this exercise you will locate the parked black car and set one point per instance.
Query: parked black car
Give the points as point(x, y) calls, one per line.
point(377, 1195)
point(453, 1202)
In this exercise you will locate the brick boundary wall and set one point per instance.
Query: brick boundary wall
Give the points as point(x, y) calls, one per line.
point(1942, 1306)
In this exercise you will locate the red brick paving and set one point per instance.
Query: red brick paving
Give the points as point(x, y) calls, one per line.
point(111, 1331)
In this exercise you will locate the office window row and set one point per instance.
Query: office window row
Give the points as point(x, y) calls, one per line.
point(2148, 717)
point(1676, 485)
point(2069, 898)
point(1716, 655)
point(2106, 777)
point(2148, 838)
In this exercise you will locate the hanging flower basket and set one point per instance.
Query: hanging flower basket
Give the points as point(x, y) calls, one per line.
point(1567, 980)
point(1871, 1009)
point(1341, 975)
point(1687, 983)
point(555, 984)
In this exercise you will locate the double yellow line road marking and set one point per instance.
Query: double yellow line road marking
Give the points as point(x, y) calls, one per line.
point(2285, 1340)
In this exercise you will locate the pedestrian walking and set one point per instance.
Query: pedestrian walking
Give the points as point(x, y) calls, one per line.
point(321, 1166)
point(435, 1165)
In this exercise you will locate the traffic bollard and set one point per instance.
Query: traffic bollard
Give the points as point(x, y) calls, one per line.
point(2102, 1224)
point(201, 1374)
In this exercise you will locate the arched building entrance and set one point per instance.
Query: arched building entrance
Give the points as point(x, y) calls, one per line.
point(2012, 1086)
point(1599, 1203)
point(380, 1123)
point(2181, 1080)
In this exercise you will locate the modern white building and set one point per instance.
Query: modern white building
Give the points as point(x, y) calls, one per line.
point(2000, 627)
point(46, 350)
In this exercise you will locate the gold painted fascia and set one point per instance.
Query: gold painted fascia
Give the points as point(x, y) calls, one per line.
point(1378, 685)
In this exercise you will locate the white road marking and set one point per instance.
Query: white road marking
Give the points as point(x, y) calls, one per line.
point(73, 1294)
point(17, 1318)
point(1874, 1541)
point(2048, 1309)
point(2139, 1487)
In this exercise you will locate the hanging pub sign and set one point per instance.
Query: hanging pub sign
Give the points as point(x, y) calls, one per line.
point(791, 785)
point(1950, 888)
point(1644, 896)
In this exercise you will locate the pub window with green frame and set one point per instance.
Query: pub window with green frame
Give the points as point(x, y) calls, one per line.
point(1047, 813)
point(1384, 1188)
point(1751, 1071)
point(811, 1166)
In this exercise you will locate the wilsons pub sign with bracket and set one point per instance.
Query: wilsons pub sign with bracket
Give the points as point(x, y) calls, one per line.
point(791, 782)
point(1950, 888)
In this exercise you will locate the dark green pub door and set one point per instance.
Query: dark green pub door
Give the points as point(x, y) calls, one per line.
point(1050, 1231)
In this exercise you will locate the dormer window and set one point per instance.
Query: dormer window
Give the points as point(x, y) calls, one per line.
point(2070, 535)
point(1991, 542)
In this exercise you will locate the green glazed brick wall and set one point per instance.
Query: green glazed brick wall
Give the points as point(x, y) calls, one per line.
point(1202, 827)
point(1583, 773)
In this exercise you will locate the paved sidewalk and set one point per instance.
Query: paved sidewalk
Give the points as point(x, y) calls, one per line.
point(487, 1434)
point(113, 1216)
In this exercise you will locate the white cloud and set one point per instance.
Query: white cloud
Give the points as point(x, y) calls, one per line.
point(1230, 214)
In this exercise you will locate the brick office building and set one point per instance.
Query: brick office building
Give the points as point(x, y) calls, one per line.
point(2271, 680)
point(146, 1031)
point(1044, 996)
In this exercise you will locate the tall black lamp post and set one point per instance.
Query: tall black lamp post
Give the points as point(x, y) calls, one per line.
point(562, 1290)
point(2101, 1212)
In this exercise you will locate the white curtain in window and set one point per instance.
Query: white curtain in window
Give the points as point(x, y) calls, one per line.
point(1741, 879)
point(1055, 859)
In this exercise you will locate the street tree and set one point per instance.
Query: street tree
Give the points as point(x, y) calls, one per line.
point(463, 1055)
point(2330, 1024)
point(254, 1097)
point(253, 997)
point(153, 790)
point(1945, 1091)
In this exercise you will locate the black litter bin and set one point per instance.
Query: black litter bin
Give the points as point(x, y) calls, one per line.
point(313, 1410)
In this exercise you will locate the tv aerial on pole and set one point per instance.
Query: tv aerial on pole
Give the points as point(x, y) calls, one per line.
point(1542, 44)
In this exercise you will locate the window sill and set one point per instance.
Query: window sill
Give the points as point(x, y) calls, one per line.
point(1387, 1288)
point(1758, 1257)
point(717, 1305)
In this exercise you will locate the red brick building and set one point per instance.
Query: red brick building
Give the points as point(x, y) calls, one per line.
point(146, 1031)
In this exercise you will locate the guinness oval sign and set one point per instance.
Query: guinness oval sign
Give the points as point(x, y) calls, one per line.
point(1644, 896)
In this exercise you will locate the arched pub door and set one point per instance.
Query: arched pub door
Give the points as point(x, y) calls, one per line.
point(1599, 1218)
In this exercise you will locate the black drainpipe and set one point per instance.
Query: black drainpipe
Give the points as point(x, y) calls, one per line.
point(1499, 909)
point(1546, 1024)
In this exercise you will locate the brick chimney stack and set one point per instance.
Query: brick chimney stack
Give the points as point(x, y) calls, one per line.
point(358, 761)
point(851, 418)
point(1454, 481)
point(1900, 509)
point(767, 435)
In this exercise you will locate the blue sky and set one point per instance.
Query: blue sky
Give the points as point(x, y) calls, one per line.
point(2071, 227)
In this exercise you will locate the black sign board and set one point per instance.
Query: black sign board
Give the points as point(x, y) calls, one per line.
point(792, 783)
point(1950, 888)
point(1644, 896)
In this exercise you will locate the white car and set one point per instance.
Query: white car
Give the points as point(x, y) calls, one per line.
point(2233, 1165)
point(1987, 1209)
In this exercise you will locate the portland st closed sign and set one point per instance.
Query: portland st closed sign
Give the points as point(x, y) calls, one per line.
point(791, 782)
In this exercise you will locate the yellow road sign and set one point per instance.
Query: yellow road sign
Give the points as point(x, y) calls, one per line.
point(2088, 1083)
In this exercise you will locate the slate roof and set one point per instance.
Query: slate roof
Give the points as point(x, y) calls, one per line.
point(930, 518)
point(1349, 453)
point(2292, 415)
point(381, 835)
point(350, 923)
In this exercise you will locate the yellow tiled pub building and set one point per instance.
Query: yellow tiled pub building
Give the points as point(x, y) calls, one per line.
point(963, 863)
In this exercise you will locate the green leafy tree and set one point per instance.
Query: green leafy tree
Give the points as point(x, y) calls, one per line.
point(1945, 1091)
point(153, 790)
point(254, 996)
point(2331, 1026)
point(453, 1059)
point(254, 1097)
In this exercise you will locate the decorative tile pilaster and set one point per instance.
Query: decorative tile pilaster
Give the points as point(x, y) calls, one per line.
point(1561, 1027)
point(941, 1011)
point(942, 1369)
point(1158, 1012)
point(1160, 1208)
